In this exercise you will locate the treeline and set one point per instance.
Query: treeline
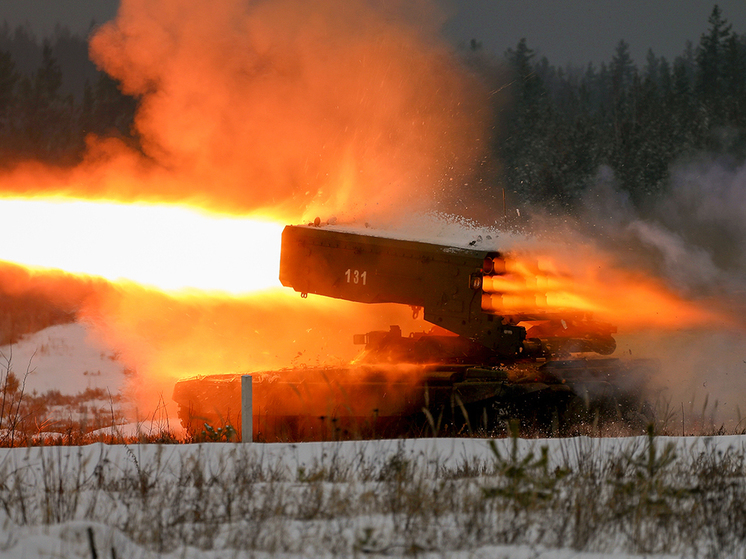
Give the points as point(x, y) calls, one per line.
point(52, 96)
point(562, 125)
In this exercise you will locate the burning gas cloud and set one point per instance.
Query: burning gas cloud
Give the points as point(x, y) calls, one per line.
point(295, 107)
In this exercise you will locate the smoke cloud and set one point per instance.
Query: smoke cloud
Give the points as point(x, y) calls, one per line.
point(692, 241)
point(693, 237)
point(347, 108)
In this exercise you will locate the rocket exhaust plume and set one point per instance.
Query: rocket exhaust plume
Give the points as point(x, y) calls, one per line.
point(673, 281)
point(167, 247)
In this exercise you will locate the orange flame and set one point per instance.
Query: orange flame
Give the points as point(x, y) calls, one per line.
point(166, 247)
point(588, 282)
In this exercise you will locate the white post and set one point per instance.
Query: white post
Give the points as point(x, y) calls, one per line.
point(247, 418)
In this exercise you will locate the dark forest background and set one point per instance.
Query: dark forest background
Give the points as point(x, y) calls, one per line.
point(52, 96)
point(564, 124)
point(557, 129)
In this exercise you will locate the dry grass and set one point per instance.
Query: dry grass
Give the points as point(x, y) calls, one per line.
point(643, 497)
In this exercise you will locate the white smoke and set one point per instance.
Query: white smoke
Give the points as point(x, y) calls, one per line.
point(694, 239)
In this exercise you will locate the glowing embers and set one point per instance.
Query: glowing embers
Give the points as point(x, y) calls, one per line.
point(168, 247)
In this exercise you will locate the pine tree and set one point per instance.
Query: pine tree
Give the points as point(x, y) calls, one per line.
point(8, 81)
point(46, 117)
point(622, 71)
point(710, 60)
point(563, 123)
point(652, 71)
point(524, 147)
point(734, 80)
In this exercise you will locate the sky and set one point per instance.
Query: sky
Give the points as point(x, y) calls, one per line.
point(576, 32)
point(583, 31)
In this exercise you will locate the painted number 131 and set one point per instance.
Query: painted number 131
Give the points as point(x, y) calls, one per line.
point(356, 276)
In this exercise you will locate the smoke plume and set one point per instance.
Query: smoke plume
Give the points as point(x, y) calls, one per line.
point(692, 241)
point(344, 108)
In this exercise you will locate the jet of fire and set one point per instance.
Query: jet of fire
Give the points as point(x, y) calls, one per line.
point(591, 284)
point(171, 248)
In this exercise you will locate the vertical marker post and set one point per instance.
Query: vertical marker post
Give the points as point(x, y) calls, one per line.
point(247, 417)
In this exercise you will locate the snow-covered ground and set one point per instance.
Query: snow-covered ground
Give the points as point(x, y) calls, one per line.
point(71, 382)
point(451, 498)
point(64, 358)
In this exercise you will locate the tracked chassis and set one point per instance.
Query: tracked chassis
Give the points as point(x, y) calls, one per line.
point(490, 356)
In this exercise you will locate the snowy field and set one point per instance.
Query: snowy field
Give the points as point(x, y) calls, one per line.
point(64, 358)
point(446, 498)
point(66, 382)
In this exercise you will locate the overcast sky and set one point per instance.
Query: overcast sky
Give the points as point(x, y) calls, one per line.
point(581, 31)
point(577, 31)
